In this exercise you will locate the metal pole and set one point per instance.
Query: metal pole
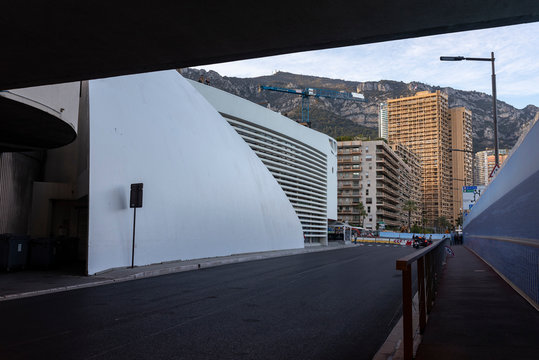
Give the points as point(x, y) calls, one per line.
point(421, 294)
point(133, 247)
point(473, 169)
point(496, 156)
point(408, 331)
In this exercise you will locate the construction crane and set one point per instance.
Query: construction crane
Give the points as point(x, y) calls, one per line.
point(317, 93)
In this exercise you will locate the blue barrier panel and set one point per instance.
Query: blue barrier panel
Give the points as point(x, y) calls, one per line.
point(408, 236)
point(518, 263)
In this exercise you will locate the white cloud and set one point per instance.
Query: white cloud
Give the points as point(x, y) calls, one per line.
point(516, 50)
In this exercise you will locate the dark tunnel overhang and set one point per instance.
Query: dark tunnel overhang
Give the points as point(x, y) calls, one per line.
point(55, 42)
point(26, 125)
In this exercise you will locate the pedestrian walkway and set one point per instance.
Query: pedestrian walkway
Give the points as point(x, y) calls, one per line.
point(477, 315)
point(21, 284)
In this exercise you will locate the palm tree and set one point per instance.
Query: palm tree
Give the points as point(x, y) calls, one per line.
point(409, 205)
point(361, 212)
point(442, 223)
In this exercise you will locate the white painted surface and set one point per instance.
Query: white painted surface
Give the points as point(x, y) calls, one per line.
point(238, 107)
point(205, 192)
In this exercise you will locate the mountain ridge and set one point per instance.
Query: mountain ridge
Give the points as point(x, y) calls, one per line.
point(350, 118)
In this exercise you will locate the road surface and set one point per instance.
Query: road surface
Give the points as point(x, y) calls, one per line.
point(338, 304)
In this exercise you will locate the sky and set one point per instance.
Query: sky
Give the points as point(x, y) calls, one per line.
point(516, 49)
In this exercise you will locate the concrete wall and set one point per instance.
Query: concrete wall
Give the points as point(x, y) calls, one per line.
point(18, 171)
point(502, 226)
point(205, 192)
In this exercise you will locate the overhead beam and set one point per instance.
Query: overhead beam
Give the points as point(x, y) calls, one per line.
point(61, 41)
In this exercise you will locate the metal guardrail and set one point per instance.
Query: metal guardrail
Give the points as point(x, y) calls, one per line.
point(429, 266)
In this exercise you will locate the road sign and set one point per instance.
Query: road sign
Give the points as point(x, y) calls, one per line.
point(470, 189)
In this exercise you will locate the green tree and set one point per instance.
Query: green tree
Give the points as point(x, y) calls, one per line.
point(442, 223)
point(409, 205)
point(361, 212)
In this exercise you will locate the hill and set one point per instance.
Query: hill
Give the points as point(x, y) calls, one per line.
point(348, 118)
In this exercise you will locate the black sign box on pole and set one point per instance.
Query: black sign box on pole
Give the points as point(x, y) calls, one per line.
point(136, 196)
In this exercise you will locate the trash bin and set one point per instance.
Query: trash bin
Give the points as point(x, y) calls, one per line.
point(43, 253)
point(13, 251)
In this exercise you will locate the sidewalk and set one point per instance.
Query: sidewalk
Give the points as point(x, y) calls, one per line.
point(21, 284)
point(477, 315)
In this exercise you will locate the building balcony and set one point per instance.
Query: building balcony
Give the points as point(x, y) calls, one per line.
point(349, 169)
point(387, 214)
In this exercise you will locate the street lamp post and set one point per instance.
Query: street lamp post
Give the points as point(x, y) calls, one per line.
point(491, 59)
point(473, 162)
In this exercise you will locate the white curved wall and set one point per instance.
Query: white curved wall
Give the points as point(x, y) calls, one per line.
point(205, 191)
point(302, 160)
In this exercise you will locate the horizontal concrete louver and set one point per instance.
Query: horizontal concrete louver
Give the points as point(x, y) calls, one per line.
point(300, 170)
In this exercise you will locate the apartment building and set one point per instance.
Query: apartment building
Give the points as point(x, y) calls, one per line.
point(461, 154)
point(372, 173)
point(412, 180)
point(421, 123)
point(484, 163)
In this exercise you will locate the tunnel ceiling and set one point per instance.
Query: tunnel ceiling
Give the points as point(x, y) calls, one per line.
point(47, 42)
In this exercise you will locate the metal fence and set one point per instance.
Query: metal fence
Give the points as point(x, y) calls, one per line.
point(430, 261)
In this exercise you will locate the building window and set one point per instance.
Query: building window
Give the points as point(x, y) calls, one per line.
point(369, 211)
point(368, 200)
point(367, 192)
point(366, 149)
point(368, 157)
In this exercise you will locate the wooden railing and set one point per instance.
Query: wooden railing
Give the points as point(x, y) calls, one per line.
point(429, 266)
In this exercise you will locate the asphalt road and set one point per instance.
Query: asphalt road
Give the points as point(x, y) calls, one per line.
point(338, 304)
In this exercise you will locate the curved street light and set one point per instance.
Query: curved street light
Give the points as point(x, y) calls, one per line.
point(491, 59)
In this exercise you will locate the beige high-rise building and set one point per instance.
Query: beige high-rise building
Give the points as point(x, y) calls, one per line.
point(421, 123)
point(462, 146)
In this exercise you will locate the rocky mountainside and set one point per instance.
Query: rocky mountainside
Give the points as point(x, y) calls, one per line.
point(350, 118)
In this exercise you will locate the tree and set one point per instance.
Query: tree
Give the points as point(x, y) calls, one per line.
point(409, 205)
point(361, 212)
point(442, 223)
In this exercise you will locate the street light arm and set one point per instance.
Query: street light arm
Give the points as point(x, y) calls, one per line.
point(452, 58)
point(463, 150)
point(460, 58)
point(478, 59)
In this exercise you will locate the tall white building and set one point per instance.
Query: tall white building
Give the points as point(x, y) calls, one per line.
point(484, 163)
point(382, 121)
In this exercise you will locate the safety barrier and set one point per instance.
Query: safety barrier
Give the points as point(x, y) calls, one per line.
point(378, 240)
point(429, 265)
